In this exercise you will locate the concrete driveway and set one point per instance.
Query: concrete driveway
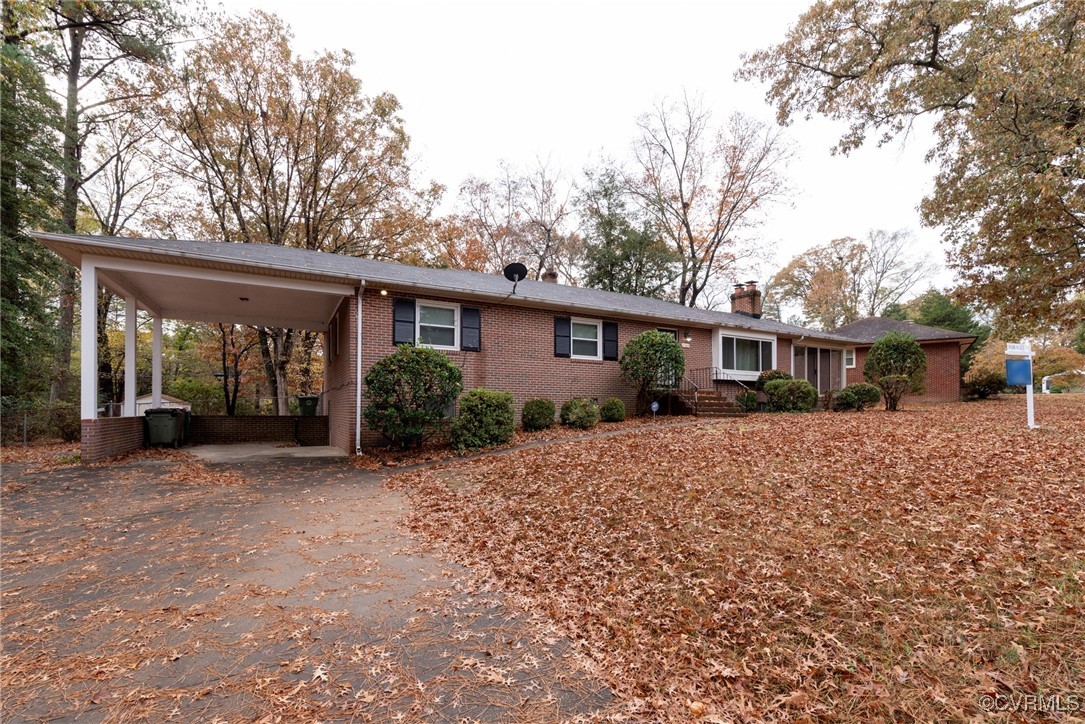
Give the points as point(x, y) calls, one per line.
point(183, 590)
point(252, 452)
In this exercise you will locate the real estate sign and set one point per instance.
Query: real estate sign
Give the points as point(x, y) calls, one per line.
point(1019, 372)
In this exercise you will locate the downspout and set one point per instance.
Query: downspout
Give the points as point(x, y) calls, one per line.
point(358, 371)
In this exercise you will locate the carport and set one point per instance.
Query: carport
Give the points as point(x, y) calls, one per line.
point(252, 284)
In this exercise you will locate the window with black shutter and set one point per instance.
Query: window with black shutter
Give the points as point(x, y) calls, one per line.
point(402, 321)
point(562, 336)
point(470, 329)
point(610, 340)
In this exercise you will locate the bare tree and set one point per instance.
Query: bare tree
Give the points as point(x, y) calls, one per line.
point(845, 280)
point(706, 188)
point(548, 243)
point(289, 151)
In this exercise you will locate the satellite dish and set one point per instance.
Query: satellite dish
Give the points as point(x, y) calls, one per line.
point(515, 272)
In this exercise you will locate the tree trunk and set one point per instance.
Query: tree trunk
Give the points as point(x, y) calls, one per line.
point(308, 345)
point(62, 358)
point(276, 346)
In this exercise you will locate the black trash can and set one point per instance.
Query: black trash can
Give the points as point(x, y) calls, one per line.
point(164, 426)
point(308, 404)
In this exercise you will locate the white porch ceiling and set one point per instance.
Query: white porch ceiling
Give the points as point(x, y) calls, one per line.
point(205, 300)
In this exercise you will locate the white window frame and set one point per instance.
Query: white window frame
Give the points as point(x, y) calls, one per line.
point(717, 351)
point(849, 351)
point(418, 304)
point(598, 324)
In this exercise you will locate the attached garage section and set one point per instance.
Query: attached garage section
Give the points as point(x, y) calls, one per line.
point(257, 285)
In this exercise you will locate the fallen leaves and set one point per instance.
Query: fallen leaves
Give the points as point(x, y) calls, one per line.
point(875, 565)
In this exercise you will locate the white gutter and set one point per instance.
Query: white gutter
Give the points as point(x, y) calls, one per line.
point(358, 372)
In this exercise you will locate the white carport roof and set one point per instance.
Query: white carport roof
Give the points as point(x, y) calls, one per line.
point(171, 284)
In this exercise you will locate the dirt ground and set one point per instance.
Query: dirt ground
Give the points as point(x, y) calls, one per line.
point(168, 589)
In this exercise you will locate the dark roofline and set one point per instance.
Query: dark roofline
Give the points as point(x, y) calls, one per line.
point(869, 330)
point(304, 263)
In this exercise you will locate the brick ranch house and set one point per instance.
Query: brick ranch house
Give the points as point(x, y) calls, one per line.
point(542, 340)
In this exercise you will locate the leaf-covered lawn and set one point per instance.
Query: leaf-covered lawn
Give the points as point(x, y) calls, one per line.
point(859, 566)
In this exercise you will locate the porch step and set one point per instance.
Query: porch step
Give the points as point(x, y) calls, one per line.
point(712, 404)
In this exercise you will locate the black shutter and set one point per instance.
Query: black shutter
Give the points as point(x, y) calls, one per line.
point(563, 332)
point(470, 329)
point(610, 340)
point(728, 353)
point(402, 321)
point(767, 362)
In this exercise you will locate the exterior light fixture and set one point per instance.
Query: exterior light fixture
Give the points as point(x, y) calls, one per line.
point(384, 292)
point(688, 337)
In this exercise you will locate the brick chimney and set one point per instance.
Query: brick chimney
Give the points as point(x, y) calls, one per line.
point(747, 300)
point(550, 276)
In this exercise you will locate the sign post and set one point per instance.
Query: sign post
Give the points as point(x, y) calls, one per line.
point(1019, 372)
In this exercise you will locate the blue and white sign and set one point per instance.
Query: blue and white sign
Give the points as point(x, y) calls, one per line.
point(1018, 372)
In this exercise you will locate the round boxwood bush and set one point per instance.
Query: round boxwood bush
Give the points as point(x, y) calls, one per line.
point(485, 419)
point(858, 397)
point(580, 412)
point(791, 395)
point(409, 392)
point(538, 414)
point(768, 376)
point(747, 401)
point(613, 410)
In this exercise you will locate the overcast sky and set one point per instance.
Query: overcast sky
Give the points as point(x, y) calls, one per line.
point(565, 81)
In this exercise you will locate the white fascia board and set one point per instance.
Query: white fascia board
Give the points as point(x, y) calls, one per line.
point(216, 275)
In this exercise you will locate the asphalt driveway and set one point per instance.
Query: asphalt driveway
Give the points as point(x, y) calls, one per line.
point(178, 589)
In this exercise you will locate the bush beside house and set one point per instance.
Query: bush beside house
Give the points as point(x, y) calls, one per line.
point(580, 412)
point(650, 360)
point(486, 418)
point(538, 414)
point(791, 395)
point(857, 397)
point(896, 364)
point(409, 392)
point(613, 410)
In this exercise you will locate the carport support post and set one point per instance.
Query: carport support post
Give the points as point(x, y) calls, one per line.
point(129, 356)
point(88, 342)
point(156, 362)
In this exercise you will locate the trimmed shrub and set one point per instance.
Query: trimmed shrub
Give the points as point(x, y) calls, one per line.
point(613, 410)
point(747, 401)
point(651, 360)
point(981, 384)
point(580, 412)
point(486, 419)
point(409, 392)
point(897, 364)
point(538, 414)
point(858, 397)
point(768, 376)
point(791, 395)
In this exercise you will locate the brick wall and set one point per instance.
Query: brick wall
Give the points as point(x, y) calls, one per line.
point(943, 372)
point(225, 430)
point(339, 381)
point(108, 437)
point(783, 355)
point(517, 355)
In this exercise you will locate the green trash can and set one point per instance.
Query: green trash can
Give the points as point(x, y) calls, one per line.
point(308, 404)
point(163, 426)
